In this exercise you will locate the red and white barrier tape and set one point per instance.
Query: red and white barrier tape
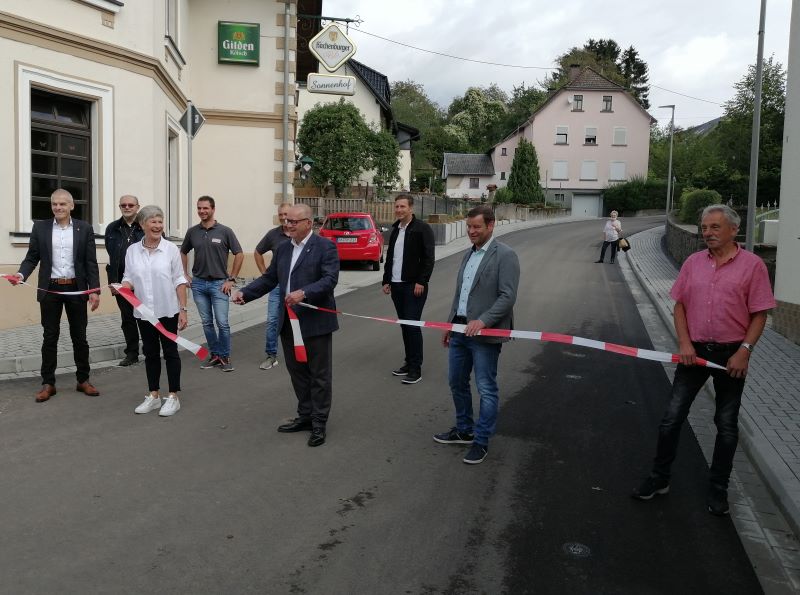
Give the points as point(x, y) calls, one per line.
point(657, 356)
point(145, 312)
point(300, 354)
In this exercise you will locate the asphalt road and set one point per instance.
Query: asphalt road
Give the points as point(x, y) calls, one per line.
point(98, 500)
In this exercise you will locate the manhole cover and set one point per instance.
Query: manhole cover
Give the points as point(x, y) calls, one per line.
point(576, 550)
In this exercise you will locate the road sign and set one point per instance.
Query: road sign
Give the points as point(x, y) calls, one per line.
point(192, 120)
point(332, 47)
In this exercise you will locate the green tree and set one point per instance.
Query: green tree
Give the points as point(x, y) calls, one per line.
point(635, 74)
point(339, 140)
point(384, 160)
point(523, 182)
point(473, 118)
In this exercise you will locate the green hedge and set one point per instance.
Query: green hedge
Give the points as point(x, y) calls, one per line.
point(636, 195)
point(695, 201)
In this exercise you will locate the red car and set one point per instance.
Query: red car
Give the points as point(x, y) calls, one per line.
point(356, 237)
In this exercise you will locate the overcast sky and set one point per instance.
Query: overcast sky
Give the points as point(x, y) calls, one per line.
point(694, 47)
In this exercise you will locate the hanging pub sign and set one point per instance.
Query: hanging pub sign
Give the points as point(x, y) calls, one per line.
point(332, 47)
point(238, 43)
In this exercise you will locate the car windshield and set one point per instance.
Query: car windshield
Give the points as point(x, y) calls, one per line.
point(347, 224)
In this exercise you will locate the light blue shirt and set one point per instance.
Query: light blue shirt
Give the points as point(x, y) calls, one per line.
point(469, 277)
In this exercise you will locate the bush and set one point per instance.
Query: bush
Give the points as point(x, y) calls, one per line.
point(696, 200)
point(635, 195)
point(503, 195)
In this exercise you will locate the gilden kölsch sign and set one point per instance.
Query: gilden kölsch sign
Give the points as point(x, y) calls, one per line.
point(238, 43)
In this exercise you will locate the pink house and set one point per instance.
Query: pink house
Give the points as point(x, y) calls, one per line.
point(589, 134)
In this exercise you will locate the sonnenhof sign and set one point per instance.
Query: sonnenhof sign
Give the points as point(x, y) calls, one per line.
point(331, 84)
point(238, 43)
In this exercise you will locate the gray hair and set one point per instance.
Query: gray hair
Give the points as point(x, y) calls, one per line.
point(304, 209)
point(149, 212)
point(731, 215)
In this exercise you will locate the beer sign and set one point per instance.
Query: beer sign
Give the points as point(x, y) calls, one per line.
point(332, 47)
point(238, 43)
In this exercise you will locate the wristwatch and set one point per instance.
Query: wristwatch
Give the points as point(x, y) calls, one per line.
point(184, 309)
point(232, 279)
point(747, 346)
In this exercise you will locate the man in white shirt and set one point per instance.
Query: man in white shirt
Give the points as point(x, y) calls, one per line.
point(64, 249)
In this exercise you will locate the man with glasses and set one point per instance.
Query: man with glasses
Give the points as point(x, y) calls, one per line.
point(210, 282)
point(120, 234)
point(307, 270)
point(269, 243)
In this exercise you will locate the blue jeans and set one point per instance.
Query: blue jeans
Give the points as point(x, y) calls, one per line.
point(213, 305)
point(273, 303)
point(466, 354)
point(728, 392)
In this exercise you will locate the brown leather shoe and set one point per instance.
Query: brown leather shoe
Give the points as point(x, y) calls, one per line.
point(48, 390)
point(87, 389)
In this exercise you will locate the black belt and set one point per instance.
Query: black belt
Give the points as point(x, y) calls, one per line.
point(718, 346)
point(460, 320)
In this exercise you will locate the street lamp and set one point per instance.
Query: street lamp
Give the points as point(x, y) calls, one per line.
point(669, 171)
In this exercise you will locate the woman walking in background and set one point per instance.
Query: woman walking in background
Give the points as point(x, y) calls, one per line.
point(611, 235)
point(153, 271)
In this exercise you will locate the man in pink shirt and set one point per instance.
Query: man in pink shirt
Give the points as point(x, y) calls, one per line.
point(722, 296)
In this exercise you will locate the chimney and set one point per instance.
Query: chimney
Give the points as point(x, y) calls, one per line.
point(574, 71)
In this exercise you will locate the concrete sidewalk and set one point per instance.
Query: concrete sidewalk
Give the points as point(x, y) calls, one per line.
point(770, 413)
point(20, 348)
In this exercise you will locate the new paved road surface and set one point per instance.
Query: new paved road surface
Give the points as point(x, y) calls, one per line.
point(98, 500)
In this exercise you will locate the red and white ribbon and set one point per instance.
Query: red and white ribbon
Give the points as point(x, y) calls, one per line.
point(300, 354)
point(145, 312)
point(657, 356)
point(150, 316)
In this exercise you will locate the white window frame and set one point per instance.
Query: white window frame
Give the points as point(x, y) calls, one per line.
point(102, 134)
point(577, 104)
point(104, 5)
point(503, 152)
point(559, 197)
point(587, 134)
point(620, 169)
point(588, 170)
point(560, 165)
point(610, 103)
point(175, 209)
point(172, 31)
point(620, 130)
point(477, 185)
point(561, 129)
point(502, 175)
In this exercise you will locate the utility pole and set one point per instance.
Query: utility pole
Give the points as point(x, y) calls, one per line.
point(755, 141)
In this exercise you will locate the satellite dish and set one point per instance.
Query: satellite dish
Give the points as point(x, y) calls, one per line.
point(569, 100)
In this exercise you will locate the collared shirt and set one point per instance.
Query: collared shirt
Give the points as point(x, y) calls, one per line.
point(63, 256)
point(211, 246)
point(469, 276)
point(719, 300)
point(297, 250)
point(397, 256)
point(154, 275)
point(612, 229)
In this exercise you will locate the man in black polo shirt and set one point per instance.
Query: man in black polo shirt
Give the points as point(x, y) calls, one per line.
point(408, 268)
point(210, 281)
point(120, 234)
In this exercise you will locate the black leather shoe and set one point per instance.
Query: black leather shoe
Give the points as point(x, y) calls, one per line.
point(128, 361)
point(296, 425)
point(317, 437)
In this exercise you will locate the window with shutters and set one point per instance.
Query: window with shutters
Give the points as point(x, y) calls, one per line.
point(589, 170)
point(616, 171)
point(620, 135)
point(562, 135)
point(590, 137)
point(560, 170)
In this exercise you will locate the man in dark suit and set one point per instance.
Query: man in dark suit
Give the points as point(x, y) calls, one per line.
point(409, 264)
point(486, 291)
point(64, 250)
point(306, 269)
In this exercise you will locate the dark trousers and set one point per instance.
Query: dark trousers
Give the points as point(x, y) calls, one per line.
point(152, 340)
point(687, 383)
point(51, 307)
point(613, 245)
point(130, 330)
point(409, 307)
point(312, 381)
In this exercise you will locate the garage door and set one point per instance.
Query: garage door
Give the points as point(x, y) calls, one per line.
point(586, 205)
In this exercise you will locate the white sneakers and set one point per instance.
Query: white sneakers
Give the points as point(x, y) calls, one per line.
point(149, 404)
point(170, 405)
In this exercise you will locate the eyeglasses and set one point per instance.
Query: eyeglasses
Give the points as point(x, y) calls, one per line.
point(126, 205)
point(296, 221)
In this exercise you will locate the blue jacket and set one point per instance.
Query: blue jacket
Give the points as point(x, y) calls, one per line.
point(316, 272)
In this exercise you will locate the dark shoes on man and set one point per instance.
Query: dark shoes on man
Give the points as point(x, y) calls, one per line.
point(128, 361)
point(401, 371)
point(48, 390)
point(298, 424)
point(650, 487)
point(717, 501)
point(411, 376)
point(317, 437)
point(453, 436)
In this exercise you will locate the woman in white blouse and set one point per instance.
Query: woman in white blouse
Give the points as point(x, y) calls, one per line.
point(611, 235)
point(153, 271)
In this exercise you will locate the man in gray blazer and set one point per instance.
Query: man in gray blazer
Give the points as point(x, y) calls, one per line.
point(484, 298)
point(307, 270)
